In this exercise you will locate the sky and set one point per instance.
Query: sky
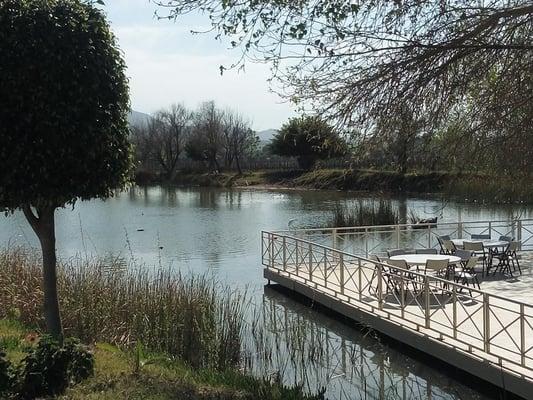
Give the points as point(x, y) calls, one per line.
point(167, 64)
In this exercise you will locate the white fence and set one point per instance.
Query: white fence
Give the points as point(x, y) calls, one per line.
point(366, 240)
point(498, 329)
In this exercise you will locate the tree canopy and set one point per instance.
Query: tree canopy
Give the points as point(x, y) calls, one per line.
point(357, 62)
point(63, 117)
point(308, 139)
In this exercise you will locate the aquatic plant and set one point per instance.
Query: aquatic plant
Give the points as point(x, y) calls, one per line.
point(365, 213)
point(193, 318)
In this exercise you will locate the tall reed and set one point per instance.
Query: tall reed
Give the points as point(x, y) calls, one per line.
point(363, 213)
point(192, 318)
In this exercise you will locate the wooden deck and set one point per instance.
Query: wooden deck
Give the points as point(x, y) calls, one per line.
point(487, 332)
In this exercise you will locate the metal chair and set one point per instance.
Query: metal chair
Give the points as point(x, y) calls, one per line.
point(478, 250)
point(444, 237)
point(465, 255)
point(437, 268)
point(468, 273)
point(476, 236)
point(449, 247)
point(396, 279)
point(507, 259)
point(399, 252)
point(505, 239)
point(426, 251)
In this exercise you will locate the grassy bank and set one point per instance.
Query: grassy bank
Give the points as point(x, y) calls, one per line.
point(463, 187)
point(193, 325)
point(123, 375)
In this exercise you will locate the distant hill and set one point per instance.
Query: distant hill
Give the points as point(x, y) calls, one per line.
point(265, 136)
point(137, 118)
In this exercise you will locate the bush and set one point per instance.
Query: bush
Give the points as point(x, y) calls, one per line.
point(50, 368)
point(7, 376)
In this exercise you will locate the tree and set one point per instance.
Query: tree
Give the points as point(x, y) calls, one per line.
point(162, 137)
point(308, 139)
point(206, 140)
point(239, 139)
point(63, 118)
point(357, 62)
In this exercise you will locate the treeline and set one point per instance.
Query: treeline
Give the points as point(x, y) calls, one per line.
point(215, 138)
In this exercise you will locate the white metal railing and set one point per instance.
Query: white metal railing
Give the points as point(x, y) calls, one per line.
point(492, 326)
point(366, 240)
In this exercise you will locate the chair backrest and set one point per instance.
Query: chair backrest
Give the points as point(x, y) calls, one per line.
point(426, 251)
point(373, 257)
point(399, 252)
point(444, 237)
point(512, 247)
point(479, 236)
point(448, 246)
point(472, 262)
point(505, 239)
point(398, 263)
point(473, 246)
point(465, 255)
point(436, 265)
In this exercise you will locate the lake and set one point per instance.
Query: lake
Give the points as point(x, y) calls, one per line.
point(217, 231)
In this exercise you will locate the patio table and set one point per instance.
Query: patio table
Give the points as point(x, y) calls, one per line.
point(459, 243)
point(421, 259)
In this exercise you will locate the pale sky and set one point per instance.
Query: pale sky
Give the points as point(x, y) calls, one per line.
point(167, 64)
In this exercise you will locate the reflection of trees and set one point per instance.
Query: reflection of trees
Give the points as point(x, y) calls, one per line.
point(233, 199)
point(169, 196)
point(310, 349)
point(207, 198)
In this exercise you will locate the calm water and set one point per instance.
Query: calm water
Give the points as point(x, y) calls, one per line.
point(218, 232)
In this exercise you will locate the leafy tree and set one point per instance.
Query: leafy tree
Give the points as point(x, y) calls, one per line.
point(163, 137)
point(308, 139)
point(360, 62)
point(63, 118)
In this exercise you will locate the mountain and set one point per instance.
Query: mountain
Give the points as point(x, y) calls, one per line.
point(266, 135)
point(137, 118)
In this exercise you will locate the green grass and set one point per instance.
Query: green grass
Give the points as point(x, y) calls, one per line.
point(116, 376)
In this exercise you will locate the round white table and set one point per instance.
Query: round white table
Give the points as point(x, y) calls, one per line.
point(486, 242)
point(421, 259)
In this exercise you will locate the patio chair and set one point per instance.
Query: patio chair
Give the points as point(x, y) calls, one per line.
point(426, 251)
point(399, 252)
point(465, 255)
point(477, 249)
point(449, 247)
point(395, 278)
point(444, 237)
point(506, 239)
point(375, 259)
point(476, 236)
point(508, 259)
point(437, 268)
point(468, 273)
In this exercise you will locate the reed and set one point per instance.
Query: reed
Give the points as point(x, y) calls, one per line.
point(192, 318)
point(363, 214)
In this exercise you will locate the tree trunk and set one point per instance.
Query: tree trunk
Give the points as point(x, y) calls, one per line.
point(239, 169)
point(44, 227)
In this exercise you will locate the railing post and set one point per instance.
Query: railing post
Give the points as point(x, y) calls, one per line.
point(486, 323)
point(398, 236)
point(284, 251)
point(519, 233)
point(341, 274)
point(490, 228)
point(296, 258)
point(335, 244)
point(359, 279)
point(310, 262)
point(427, 301)
point(366, 242)
point(429, 236)
point(522, 336)
point(460, 230)
point(325, 267)
point(271, 250)
point(380, 286)
point(454, 303)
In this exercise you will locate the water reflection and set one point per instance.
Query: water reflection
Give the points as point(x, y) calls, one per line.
point(315, 351)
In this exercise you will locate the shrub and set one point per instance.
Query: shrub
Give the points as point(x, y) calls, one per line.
point(7, 376)
point(49, 368)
